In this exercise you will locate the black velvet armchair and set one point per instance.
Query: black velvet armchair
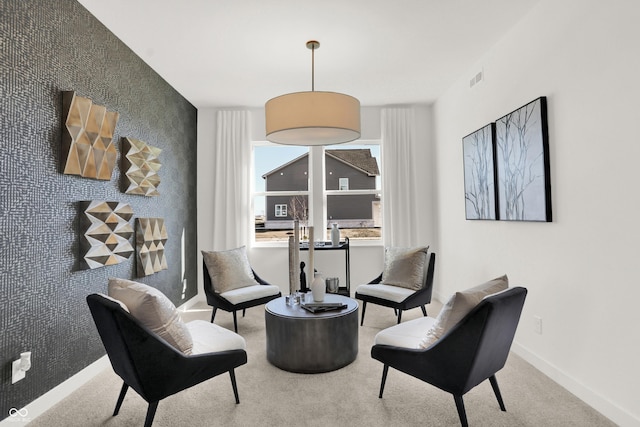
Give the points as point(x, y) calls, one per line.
point(419, 298)
point(471, 352)
point(217, 301)
point(149, 364)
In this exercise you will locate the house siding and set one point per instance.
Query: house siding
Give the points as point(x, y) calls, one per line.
point(293, 177)
point(351, 210)
point(336, 169)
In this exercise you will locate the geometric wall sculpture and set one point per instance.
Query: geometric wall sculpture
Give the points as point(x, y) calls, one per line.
point(104, 233)
point(87, 138)
point(140, 164)
point(151, 237)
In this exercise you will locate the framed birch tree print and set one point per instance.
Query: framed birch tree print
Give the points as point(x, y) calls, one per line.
point(522, 163)
point(478, 150)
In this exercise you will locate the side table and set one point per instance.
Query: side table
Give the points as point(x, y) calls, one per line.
point(343, 246)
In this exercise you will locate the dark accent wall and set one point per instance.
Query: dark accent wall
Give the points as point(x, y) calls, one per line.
point(47, 47)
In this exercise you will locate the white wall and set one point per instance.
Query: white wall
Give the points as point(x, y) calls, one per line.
point(581, 269)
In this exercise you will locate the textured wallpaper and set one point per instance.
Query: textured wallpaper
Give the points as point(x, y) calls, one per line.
point(46, 48)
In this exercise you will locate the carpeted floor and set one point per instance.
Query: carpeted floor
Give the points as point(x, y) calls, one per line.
point(346, 397)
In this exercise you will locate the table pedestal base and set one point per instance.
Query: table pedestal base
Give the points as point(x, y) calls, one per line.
point(312, 343)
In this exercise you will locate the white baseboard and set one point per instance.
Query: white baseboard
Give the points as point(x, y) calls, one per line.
point(598, 402)
point(39, 406)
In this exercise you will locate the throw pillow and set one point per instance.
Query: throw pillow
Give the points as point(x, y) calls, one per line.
point(459, 305)
point(154, 310)
point(404, 267)
point(229, 270)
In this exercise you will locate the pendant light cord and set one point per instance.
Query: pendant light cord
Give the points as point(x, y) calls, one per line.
point(313, 45)
point(313, 68)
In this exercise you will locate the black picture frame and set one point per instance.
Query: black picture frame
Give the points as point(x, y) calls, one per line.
point(480, 190)
point(522, 164)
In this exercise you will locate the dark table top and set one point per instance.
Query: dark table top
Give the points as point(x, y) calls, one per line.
point(278, 307)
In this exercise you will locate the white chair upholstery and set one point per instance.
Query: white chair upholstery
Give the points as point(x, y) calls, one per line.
point(388, 292)
point(210, 338)
point(248, 293)
point(408, 334)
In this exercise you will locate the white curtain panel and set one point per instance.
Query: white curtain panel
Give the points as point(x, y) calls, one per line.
point(399, 182)
point(231, 164)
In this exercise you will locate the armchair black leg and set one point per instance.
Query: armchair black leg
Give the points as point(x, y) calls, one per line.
point(232, 374)
point(461, 412)
point(213, 313)
point(123, 391)
point(496, 390)
point(399, 315)
point(244, 311)
point(364, 307)
point(424, 311)
point(385, 370)
point(151, 412)
point(235, 322)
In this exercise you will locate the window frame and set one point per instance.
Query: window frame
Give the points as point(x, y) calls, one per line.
point(341, 183)
point(280, 215)
point(316, 193)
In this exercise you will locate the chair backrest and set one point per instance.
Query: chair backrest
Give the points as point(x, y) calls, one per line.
point(427, 276)
point(137, 354)
point(207, 284)
point(478, 346)
point(429, 270)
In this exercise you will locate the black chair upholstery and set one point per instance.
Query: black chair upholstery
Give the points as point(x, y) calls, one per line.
point(216, 301)
point(150, 365)
point(471, 352)
point(419, 298)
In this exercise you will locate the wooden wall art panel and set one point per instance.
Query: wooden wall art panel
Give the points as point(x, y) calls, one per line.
point(140, 164)
point(104, 233)
point(87, 138)
point(151, 237)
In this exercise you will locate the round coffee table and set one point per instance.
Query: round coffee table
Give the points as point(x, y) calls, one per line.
point(304, 342)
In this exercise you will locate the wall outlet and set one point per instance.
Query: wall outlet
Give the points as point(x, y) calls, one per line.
point(537, 324)
point(16, 373)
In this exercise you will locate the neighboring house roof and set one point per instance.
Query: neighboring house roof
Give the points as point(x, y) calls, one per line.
point(359, 158)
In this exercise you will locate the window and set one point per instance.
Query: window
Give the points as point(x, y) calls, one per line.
point(343, 184)
point(317, 186)
point(281, 210)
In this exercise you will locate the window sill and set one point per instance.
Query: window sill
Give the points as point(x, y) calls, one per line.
point(353, 243)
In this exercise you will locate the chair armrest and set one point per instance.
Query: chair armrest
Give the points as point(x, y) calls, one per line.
point(259, 279)
point(376, 280)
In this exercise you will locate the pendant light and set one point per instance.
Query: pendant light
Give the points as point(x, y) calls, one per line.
point(312, 118)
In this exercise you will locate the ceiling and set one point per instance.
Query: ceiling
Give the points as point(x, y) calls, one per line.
point(240, 53)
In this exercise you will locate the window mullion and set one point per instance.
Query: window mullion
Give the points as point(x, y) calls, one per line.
point(318, 214)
